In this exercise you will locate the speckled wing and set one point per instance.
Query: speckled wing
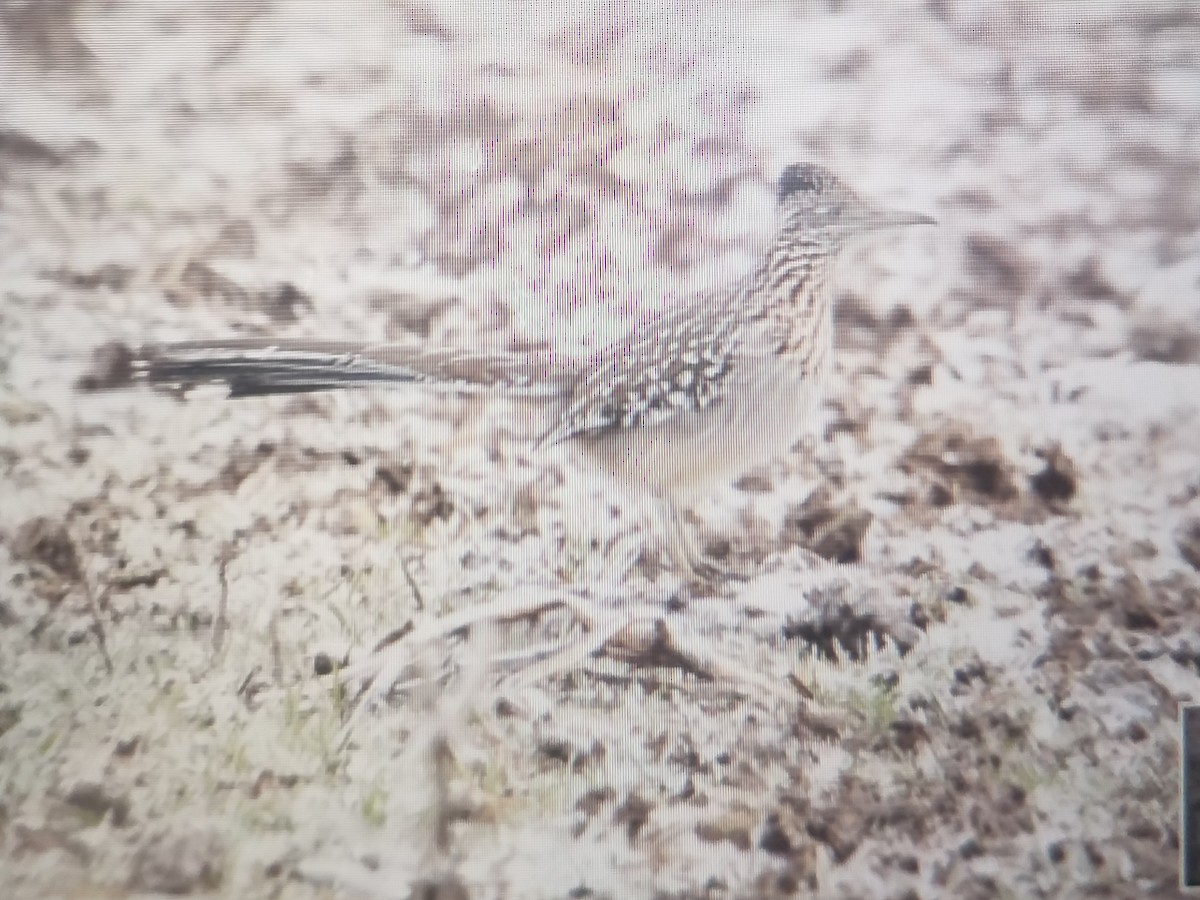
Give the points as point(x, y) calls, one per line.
point(677, 366)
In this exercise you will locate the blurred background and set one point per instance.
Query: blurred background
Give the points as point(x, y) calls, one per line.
point(1015, 400)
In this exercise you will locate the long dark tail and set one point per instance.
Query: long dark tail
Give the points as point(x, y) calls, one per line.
point(252, 368)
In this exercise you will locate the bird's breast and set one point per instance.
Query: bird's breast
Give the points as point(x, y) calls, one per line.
point(764, 407)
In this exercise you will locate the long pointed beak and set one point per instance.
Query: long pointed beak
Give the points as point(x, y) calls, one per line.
point(872, 217)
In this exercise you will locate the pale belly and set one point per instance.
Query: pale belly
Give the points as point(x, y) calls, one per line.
point(766, 411)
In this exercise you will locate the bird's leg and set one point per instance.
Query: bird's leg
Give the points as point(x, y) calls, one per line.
point(687, 555)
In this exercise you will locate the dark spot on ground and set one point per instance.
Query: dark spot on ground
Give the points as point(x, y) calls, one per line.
point(42, 540)
point(132, 580)
point(834, 532)
point(411, 313)
point(774, 839)
point(842, 828)
point(591, 802)
point(555, 749)
point(755, 482)
point(725, 832)
point(1187, 539)
point(965, 674)
point(431, 502)
point(111, 366)
point(283, 303)
point(998, 267)
point(178, 862)
point(395, 476)
point(111, 276)
point(836, 631)
point(1057, 481)
point(238, 467)
point(850, 65)
point(956, 467)
point(1041, 554)
point(633, 814)
point(1089, 282)
point(1165, 342)
point(860, 328)
point(17, 147)
point(94, 799)
point(237, 239)
point(904, 735)
point(200, 282)
point(921, 376)
point(1166, 606)
point(443, 887)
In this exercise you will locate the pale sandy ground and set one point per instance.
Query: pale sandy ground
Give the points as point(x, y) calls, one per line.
point(1015, 419)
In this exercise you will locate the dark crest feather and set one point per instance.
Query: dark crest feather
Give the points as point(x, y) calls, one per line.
point(800, 177)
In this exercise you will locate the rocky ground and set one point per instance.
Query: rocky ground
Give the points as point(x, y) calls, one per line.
point(981, 700)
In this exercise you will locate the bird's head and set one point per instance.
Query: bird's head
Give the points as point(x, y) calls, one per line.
point(814, 201)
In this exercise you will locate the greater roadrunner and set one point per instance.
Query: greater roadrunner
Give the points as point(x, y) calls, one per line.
point(699, 393)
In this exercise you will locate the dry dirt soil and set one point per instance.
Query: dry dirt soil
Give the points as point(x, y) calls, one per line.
point(376, 645)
